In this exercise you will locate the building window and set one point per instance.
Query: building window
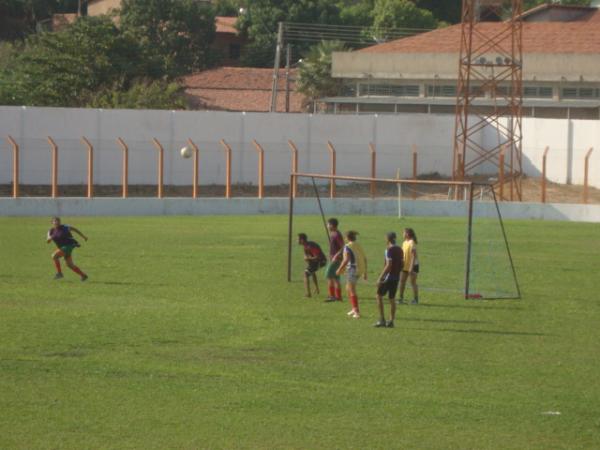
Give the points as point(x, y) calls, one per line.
point(441, 91)
point(349, 90)
point(537, 92)
point(235, 51)
point(389, 90)
point(580, 93)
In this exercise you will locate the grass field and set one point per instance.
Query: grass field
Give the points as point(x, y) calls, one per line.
point(188, 336)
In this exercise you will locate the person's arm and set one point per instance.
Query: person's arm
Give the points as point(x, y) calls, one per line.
point(385, 271)
point(413, 254)
point(345, 261)
point(48, 238)
point(78, 232)
point(365, 276)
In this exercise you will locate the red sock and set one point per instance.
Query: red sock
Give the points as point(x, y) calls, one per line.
point(331, 291)
point(354, 301)
point(338, 293)
point(57, 264)
point(77, 271)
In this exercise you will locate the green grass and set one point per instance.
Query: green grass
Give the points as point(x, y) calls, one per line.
point(188, 336)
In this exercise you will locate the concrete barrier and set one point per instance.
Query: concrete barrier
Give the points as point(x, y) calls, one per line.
point(29, 206)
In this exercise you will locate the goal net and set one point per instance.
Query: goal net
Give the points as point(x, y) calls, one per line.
point(463, 248)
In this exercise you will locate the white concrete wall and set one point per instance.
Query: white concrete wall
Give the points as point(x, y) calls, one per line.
point(393, 136)
point(218, 206)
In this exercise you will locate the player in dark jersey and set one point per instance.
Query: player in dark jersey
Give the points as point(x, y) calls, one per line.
point(387, 282)
point(62, 237)
point(336, 248)
point(315, 259)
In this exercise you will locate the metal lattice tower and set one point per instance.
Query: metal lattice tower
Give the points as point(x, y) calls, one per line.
point(490, 68)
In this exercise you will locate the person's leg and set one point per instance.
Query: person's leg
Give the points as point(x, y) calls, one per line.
point(393, 287)
point(330, 274)
point(74, 268)
point(56, 258)
point(403, 278)
point(306, 284)
point(415, 287)
point(314, 277)
point(351, 287)
point(338, 289)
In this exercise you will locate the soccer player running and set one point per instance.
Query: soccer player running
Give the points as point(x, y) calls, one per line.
point(315, 259)
point(336, 246)
point(411, 265)
point(387, 283)
point(62, 237)
point(355, 261)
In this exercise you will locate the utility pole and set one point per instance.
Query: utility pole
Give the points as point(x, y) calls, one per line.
point(276, 67)
point(288, 60)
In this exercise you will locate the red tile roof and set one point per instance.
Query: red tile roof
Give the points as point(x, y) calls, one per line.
point(582, 36)
point(240, 89)
point(226, 24)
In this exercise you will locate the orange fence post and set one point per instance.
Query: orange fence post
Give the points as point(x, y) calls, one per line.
point(15, 148)
point(54, 177)
point(161, 171)
point(195, 162)
point(261, 168)
point(414, 161)
point(373, 169)
point(585, 175)
point(294, 150)
point(90, 167)
point(544, 174)
point(125, 167)
point(227, 149)
point(331, 149)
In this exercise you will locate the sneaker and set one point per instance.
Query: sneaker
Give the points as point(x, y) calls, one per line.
point(400, 301)
point(58, 276)
point(84, 277)
point(330, 299)
point(415, 302)
point(380, 324)
point(356, 315)
point(351, 312)
point(389, 324)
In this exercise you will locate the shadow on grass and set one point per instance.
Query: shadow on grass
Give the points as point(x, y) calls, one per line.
point(415, 319)
point(126, 283)
point(495, 332)
point(471, 306)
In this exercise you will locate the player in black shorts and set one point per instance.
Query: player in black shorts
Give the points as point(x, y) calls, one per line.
point(387, 282)
point(315, 259)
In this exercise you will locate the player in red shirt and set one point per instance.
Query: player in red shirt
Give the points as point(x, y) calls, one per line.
point(315, 259)
point(336, 248)
point(62, 237)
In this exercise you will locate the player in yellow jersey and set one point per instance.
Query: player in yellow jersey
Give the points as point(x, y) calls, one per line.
point(411, 265)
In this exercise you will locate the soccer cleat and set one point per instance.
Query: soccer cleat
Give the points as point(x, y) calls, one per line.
point(356, 315)
point(380, 324)
point(84, 277)
point(390, 324)
point(400, 301)
point(330, 299)
point(58, 276)
point(415, 301)
point(351, 312)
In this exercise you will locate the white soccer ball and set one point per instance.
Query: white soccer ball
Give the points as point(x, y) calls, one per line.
point(186, 152)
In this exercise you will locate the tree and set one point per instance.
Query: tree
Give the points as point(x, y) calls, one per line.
point(400, 14)
point(143, 94)
point(64, 68)
point(228, 8)
point(314, 72)
point(260, 20)
point(175, 33)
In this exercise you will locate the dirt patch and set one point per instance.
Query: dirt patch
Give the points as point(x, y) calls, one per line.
point(555, 193)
